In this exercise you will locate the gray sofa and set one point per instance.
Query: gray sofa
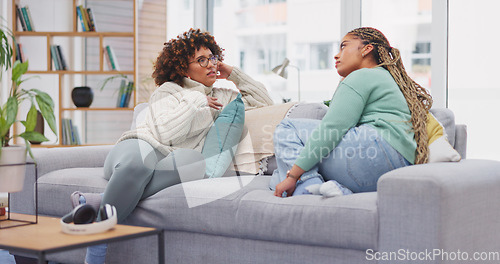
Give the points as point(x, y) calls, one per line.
point(417, 210)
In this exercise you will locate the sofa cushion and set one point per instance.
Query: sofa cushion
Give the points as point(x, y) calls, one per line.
point(244, 207)
point(223, 137)
point(446, 117)
point(140, 111)
point(308, 110)
point(440, 149)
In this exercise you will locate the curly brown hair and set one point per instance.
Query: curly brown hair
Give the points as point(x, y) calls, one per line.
point(173, 62)
point(417, 97)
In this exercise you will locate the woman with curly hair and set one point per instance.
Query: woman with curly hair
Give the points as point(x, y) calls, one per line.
point(376, 122)
point(179, 115)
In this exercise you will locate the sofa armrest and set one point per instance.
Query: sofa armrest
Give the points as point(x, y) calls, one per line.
point(51, 159)
point(461, 140)
point(450, 206)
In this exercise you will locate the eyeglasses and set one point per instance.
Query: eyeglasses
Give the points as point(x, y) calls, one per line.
point(203, 61)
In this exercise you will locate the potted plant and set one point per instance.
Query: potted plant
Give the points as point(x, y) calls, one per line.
point(10, 180)
point(40, 101)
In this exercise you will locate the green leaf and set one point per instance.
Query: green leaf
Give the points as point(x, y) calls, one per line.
point(18, 70)
point(34, 136)
point(3, 127)
point(43, 96)
point(5, 50)
point(47, 113)
point(28, 148)
point(30, 123)
point(11, 108)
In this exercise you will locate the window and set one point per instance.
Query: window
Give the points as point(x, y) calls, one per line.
point(407, 25)
point(180, 17)
point(259, 34)
point(473, 91)
point(322, 56)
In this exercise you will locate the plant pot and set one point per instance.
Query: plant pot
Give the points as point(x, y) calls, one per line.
point(12, 168)
point(40, 127)
point(82, 96)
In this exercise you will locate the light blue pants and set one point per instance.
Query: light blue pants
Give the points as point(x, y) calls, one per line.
point(357, 162)
point(135, 170)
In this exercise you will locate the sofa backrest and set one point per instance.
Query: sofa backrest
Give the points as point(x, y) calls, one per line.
point(457, 134)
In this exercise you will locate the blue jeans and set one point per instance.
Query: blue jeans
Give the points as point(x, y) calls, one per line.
point(357, 162)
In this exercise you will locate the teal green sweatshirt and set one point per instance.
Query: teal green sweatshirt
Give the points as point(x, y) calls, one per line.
point(366, 96)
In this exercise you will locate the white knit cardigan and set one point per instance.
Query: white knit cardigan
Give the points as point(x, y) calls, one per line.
point(179, 117)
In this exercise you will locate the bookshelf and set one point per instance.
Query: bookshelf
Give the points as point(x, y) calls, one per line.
point(81, 67)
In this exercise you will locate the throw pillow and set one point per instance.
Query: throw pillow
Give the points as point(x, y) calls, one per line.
point(439, 147)
point(223, 138)
point(139, 114)
point(256, 144)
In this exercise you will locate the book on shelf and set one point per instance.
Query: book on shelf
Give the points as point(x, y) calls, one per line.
point(61, 56)
point(83, 18)
point(26, 16)
point(111, 57)
point(106, 58)
point(20, 18)
point(29, 18)
point(80, 17)
point(86, 18)
point(70, 133)
point(126, 95)
point(121, 91)
point(91, 19)
point(53, 55)
point(58, 58)
point(20, 52)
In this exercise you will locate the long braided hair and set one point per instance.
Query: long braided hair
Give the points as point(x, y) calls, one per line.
point(418, 98)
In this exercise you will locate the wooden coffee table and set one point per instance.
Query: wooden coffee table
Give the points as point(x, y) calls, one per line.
point(46, 237)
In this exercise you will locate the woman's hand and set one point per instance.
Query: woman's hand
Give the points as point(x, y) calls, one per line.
point(287, 185)
point(290, 182)
point(224, 70)
point(212, 102)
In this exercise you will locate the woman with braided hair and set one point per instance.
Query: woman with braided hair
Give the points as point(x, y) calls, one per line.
point(376, 122)
point(179, 116)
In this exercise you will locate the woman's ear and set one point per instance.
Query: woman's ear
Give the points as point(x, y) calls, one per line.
point(366, 50)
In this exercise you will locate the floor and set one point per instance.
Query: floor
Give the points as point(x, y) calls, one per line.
point(6, 258)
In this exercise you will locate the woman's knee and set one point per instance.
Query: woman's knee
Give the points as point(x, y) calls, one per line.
point(285, 132)
point(132, 156)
